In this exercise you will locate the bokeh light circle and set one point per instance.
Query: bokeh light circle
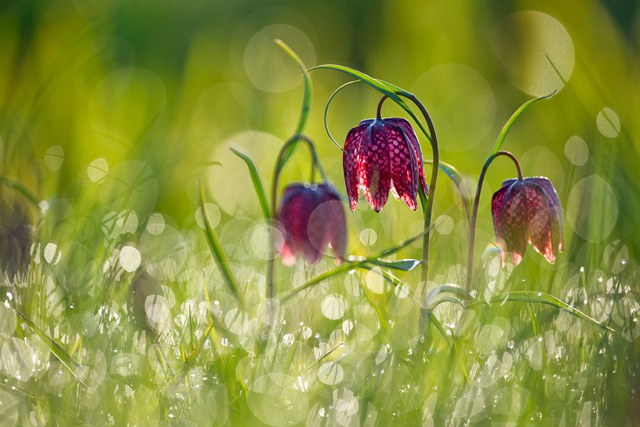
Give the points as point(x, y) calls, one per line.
point(608, 122)
point(276, 400)
point(536, 50)
point(592, 208)
point(461, 102)
point(268, 67)
point(576, 150)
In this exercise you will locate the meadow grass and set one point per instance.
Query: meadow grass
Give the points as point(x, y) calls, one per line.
point(116, 308)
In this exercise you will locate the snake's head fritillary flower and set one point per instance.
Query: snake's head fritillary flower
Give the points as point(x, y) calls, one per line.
point(312, 217)
point(524, 211)
point(382, 155)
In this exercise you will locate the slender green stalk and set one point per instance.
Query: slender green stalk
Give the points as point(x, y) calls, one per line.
point(428, 207)
point(280, 161)
point(474, 214)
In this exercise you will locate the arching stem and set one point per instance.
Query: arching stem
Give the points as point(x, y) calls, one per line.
point(474, 214)
point(428, 206)
point(274, 193)
point(428, 209)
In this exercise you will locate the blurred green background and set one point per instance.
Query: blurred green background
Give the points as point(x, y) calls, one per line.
point(110, 112)
point(153, 91)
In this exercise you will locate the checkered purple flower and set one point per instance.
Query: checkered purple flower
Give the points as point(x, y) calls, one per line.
point(312, 217)
point(524, 211)
point(382, 155)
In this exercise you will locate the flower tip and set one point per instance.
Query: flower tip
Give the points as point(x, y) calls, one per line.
point(287, 256)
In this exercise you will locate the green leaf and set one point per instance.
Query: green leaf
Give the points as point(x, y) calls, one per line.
point(257, 183)
point(456, 178)
point(326, 109)
point(54, 347)
point(403, 264)
point(306, 97)
point(218, 253)
point(543, 298)
point(507, 126)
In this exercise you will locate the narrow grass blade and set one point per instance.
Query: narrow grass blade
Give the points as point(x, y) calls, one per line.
point(17, 185)
point(54, 347)
point(403, 264)
point(257, 183)
point(543, 298)
point(433, 293)
point(218, 253)
point(434, 320)
point(456, 178)
point(326, 110)
point(306, 98)
point(347, 266)
point(507, 126)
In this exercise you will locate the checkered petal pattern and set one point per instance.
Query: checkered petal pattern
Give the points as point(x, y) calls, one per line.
point(312, 217)
point(381, 156)
point(528, 211)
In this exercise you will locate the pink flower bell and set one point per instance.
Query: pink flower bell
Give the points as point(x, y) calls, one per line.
point(312, 217)
point(382, 155)
point(524, 211)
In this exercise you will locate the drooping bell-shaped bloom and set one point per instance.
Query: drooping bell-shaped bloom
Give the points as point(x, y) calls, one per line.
point(312, 217)
point(382, 155)
point(524, 211)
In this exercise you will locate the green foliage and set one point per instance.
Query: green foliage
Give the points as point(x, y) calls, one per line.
point(143, 301)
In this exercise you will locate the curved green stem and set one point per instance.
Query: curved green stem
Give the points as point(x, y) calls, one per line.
point(280, 162)
point(326, 111)
point(474, 213)
point(428, 206)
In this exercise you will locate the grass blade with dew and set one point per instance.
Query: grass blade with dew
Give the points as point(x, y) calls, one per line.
point(218, 253)
point(54, 347)
point(543, 298)
point(402, 265)
point(257, 183)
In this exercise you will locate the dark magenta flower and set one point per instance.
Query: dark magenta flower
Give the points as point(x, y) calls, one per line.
point(524, 211)
point(312, 217)
point(382, 155)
